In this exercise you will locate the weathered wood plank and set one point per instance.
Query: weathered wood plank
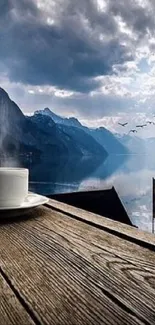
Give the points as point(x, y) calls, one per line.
point(97, 238)
point(11, 310)
point(82, 280)
point(109, 225)
point(99, 248)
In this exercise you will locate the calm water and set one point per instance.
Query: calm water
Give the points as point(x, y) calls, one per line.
point(131, 175)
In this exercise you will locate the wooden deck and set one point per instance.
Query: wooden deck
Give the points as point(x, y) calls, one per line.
point(60, 265)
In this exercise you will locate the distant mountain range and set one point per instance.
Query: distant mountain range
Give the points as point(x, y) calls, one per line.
point(80, 133)
point(137, 145)
point(46, 133)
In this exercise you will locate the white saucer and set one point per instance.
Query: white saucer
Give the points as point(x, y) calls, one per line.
point(32, 200)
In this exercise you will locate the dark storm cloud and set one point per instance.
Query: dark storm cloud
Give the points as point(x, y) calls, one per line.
point(139, 19)
point(82, 44)
point(66, 55)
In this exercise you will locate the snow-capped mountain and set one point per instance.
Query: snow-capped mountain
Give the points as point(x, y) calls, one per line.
point(72, 126)
point(76, 138)
point(71, 121)
point(38, 134)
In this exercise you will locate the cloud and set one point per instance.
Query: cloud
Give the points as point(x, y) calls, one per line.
point(136, 16)
point(80, 44)
point(82, 57)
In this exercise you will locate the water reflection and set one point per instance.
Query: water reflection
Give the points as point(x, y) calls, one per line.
point(133, 182)
point(50, 175)
point(131, 175)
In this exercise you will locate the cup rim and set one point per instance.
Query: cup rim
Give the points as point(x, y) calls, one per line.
point(11, 169)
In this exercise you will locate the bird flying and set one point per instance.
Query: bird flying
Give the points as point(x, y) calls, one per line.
point(141, 126)
point(150, 122)
point(133, 131)
point(123, 124)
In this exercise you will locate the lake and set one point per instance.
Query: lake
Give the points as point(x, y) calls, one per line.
point(131, 175)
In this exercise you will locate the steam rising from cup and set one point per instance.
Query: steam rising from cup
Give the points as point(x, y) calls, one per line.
point(6, 160)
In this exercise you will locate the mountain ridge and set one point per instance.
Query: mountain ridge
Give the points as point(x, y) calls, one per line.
point(82, 141)
point(70, 121)
point(101, 135)
point(20, 133)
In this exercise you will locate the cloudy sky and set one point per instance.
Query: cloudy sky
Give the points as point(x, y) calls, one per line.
point(93, 59)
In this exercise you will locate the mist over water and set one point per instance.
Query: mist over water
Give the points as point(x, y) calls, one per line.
point(4, 126)
point(4, 130)
point(7, 129)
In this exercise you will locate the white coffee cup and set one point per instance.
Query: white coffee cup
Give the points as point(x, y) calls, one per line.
point(13, 186)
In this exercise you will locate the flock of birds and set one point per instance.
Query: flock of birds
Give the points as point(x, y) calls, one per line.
point(137, 126)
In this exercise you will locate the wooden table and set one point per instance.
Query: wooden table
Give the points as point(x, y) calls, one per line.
point(61, 265)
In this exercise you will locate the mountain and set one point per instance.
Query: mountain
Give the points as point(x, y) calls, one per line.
point(73, 127)
point(19, 134)
point(108, 141)
point(12, 122)
point(75, 137)
point(137, 145)
point(71, 121)
point(149, 144)
point(134, 144)
point(46, 133)
point(38, 134)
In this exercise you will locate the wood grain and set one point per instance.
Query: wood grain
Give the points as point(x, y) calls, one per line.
point(11, 310)
point(69, 272)
point(112, 226)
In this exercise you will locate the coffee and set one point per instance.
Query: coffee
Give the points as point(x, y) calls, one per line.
point(13, 186)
